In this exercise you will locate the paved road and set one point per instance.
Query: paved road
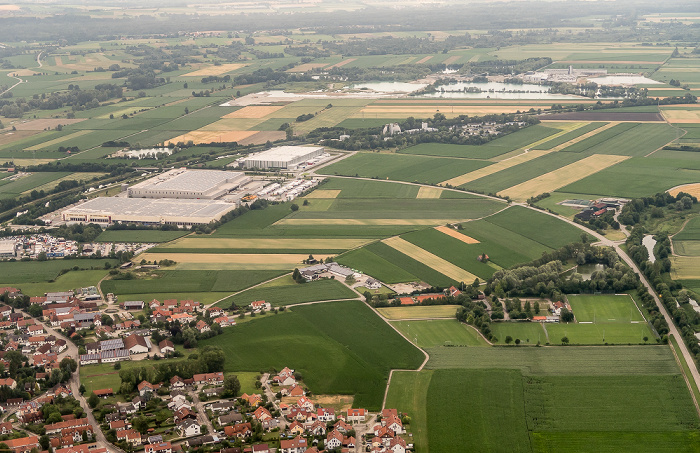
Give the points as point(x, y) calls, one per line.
point(202, 413)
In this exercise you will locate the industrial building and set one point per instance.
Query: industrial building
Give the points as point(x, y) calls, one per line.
point(106, 211)
point(286, 157)
point(181, 183)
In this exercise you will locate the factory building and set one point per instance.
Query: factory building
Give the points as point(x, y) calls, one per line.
point(287, 157)
point(181, 183)
point(106, 211)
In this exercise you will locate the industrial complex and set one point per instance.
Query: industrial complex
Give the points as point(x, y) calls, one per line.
point(286, 157)
point(192, 184)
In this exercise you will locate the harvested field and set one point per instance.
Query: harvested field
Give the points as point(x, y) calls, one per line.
point(682, 116)
point(200, 136)
point(419, 311)
point(361, 222)
point(260, 243)
point(248, 261)
point(306, 67)
point(433, 261)
point(691, 189)
point(452, 59)
point(636, 117)
point(261, 137)
point(342, 63)
point(556, 179)
point(40, 125)
point(254, 111)
point(10, 137)
point(417, 110)
point(214, 70)
point(22, 73)
point(424, 59)
point(457, 235)
point(321, 193)
point(685, 267)
point(429, 192)
point(58, 140)
point(9, 8)
point(609, 62)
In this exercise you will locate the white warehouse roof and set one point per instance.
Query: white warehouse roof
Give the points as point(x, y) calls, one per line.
point(281, 156)
point(183, 183)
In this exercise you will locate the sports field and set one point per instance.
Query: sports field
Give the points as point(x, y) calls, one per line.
point(604, 309)
point(435, 332)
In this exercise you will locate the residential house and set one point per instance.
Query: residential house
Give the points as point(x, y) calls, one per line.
point(136, 344)
point(230, 419)
point(163, 447)
point(305, 403)
point(166, 347)
point(334, 440)
point(119, 425)
point(240, 431)
point(259, 305)
point(209, 378)
point(252, 400)
point(326, 414)
point(189, 428)
point(6, 428)
point(146, 387)
point(8, 382)
point(103, 393)
point(296, 428)
point(132, 305)
point(202, 326)
point(261, 448)
point(262, 414)
point(131, 436)
point(357, 415)
point(23, 444)
point(296, 445)
point(317, 428)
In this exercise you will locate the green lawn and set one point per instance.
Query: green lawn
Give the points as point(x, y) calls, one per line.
point(339, 348)
point(604, 308)
point(431, 333)
point(408, 393)
point(529, 333)
point(611, 333)
point(66, 282)
point(285, 291)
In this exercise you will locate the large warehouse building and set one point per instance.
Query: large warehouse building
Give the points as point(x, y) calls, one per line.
point(286, 157)
point(189, 184)
point(109, 210)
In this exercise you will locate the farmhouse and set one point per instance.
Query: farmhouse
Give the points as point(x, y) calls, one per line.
point(136, 344)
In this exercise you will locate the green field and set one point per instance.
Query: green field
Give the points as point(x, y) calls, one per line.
point(284, 291)
point(408, 393)
point(528, 333)
point(502, 145)
point(140, 236)
point(431, 333)
point(403, 167)
point(66, 282)
point(333, 345)
point(189, 281)
point(604, 309)
point(569, 136)
point(44, 271)
point(368, 262)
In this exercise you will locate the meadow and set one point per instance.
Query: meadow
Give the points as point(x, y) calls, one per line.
point(333, 346)
point(439, 332)
point(285, 291)
point(16, 273)
point(418, 311)
point(140, 236)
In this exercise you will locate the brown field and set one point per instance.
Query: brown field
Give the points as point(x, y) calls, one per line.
point(452, 59)
point(235, 243)
point(306, 67)
point(457, 235)
point(429, 192)
point(682, 116)
point(262, 137)
point(341, 403)
point(419, 311)
point(320, 193)
point(214, 70)
point(40, 125)
point(200, 136)
point(424, 59)
point(254, 111)
point(10, 137)
point(58, 140)
point(25, 162)
point(553, 180)
point(9, 8)
point(361, 222)
point(607, 62)
point(691, 189)
point(21, 73)
point(435, 262)
point(342, 63)
point(252, 261)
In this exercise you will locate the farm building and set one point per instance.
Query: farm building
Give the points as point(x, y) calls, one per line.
point(181, 183)
point(282, 157)
point(107, 211)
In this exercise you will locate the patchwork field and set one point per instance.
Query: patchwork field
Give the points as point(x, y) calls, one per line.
point(332, 345)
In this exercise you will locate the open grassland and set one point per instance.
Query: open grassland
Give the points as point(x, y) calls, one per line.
point(435, 262)
point(30, 182)
point(285, 291)
point(191, 281)
point(366, 189)
point(445, 332)
point(612, 442)
point(403, 167)
point(103, 375)
point(534, 225)
point(420, 270)
point(600, 333)
point(366, 261)
point(604, 309)
point(195, 243)
point(45, 271)
point(685, 267)
point(140, 236)
point(333, 345)
point(551, 181)
point(495, 395)
point(686, 248)
point(638, 140)
point(578, 134)
point(418, 312)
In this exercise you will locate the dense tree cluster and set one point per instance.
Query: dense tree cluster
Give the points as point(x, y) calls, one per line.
point(640, 209)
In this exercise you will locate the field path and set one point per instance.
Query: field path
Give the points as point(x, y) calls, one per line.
point(429, 259)
point(524, 154)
